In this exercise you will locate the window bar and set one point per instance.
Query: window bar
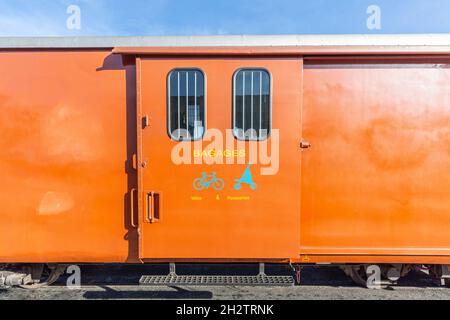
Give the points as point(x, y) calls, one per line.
point(195, 104)
point(179, 107)
point(243, 104)
point(260, 105)
point(251, 110)
point(187, 105)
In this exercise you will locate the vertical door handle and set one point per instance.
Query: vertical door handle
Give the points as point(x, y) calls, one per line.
point(146, 121)
point(132, 193)
point(153, 207)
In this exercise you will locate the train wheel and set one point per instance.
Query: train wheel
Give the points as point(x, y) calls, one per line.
point(358, 274)
point(376, 276)
point(37, 272)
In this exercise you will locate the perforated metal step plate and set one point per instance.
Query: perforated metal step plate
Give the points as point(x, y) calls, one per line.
point(175, 280)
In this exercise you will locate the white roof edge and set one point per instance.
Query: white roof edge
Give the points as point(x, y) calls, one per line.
point(215, 41)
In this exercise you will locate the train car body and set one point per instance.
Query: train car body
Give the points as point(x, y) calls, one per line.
point(136, 150)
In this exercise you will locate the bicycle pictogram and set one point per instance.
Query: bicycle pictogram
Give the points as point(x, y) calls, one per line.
point(207, 181)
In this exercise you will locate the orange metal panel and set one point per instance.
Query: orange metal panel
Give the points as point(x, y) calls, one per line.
point(67, 127)
point(264, 226)
point(375, 181)
point(372, 259)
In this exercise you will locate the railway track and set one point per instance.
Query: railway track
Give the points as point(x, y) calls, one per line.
point(122, 282)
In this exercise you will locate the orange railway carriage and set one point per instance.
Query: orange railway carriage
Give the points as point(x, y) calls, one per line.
point(110, 151)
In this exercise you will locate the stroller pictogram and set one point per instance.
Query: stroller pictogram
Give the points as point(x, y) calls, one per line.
point(246, 179)
point(208, 180)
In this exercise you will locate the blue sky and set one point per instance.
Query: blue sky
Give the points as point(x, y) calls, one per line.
point(211, 17)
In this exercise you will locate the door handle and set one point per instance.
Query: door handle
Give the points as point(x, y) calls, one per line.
point(145, 121)
point(305, 145)
point(153, 207)
point(132, 193)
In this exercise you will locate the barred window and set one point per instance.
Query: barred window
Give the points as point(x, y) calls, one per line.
point(186, 105)
point(252, 104)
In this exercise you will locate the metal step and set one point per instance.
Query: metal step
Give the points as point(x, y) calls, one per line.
point(203, 280)
point(170, 280)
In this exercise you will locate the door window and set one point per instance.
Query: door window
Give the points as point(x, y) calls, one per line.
point(186, 105)
point(252, 104)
